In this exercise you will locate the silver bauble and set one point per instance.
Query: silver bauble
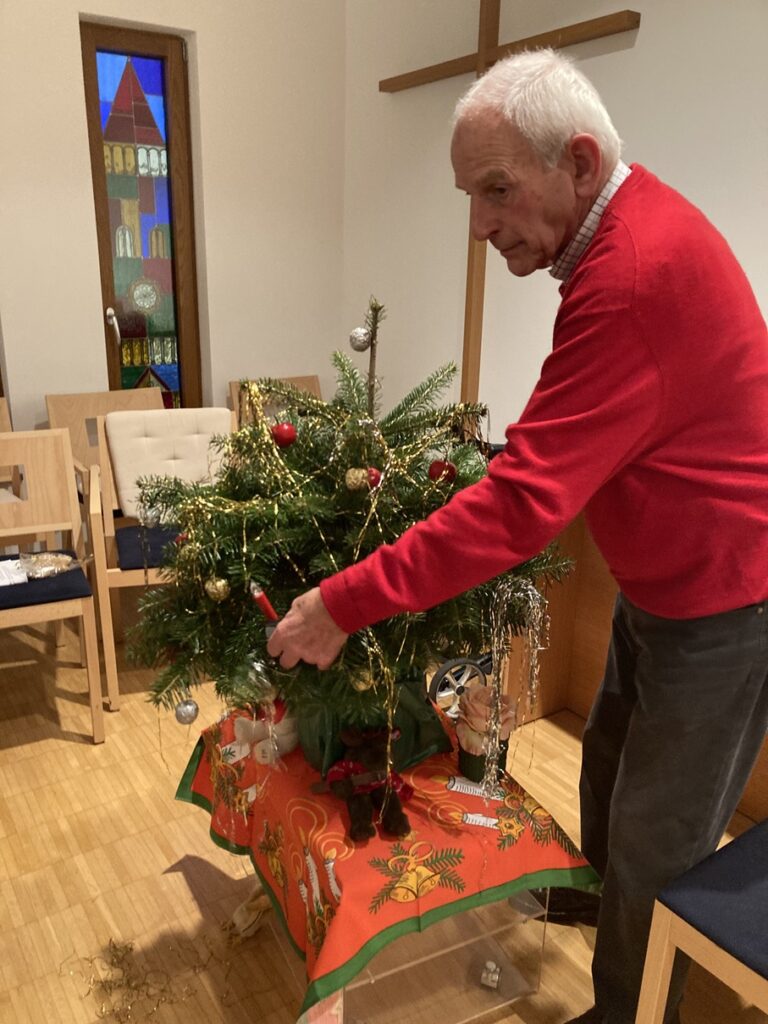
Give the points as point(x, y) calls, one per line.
point(187, 711)
point(360, 339)
point(149, 517)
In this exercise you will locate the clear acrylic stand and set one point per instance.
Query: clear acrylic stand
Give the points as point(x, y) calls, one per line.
point(454, 972)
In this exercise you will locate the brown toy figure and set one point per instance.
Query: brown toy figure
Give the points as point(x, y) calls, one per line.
point(360, 778)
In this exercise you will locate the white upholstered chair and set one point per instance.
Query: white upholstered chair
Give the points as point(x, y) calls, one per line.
point(166, 442)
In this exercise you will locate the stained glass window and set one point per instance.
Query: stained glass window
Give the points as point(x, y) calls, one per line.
point(132, 103)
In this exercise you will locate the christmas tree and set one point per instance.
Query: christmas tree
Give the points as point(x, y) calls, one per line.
point(299, 497)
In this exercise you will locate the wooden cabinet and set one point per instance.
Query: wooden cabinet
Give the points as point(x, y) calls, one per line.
point(572, 667)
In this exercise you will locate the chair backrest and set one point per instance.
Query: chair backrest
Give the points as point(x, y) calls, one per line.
point(164, 442)
point(49, 499)
point(8, 475)
point(79, 413)
point(310, 384)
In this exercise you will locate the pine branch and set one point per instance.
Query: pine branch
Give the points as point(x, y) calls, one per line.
point(419, 399)
point(351, 391)
point(450, 880)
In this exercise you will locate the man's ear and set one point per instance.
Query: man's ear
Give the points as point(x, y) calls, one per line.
point(586, 164)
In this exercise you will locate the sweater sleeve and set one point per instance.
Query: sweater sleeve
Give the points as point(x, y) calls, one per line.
point(596, 401)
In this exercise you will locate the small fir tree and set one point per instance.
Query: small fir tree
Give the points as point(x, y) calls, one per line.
point(299, 497)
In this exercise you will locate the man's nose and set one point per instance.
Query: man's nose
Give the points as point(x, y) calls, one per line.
point(482, 221)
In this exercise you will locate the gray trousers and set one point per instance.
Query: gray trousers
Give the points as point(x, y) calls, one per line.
point(670, 742)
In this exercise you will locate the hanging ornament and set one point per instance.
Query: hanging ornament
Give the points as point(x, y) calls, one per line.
point(374, 477)
point(187, 711)
point(356, 479)
point(188, 550)
point(149, 518)
point(217, 589)
point(284, 434)
point(442, 469)
point(360, 339)
point(362, 683)
point(181, 538)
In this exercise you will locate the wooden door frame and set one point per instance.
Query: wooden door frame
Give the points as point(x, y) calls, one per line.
point(171, 49)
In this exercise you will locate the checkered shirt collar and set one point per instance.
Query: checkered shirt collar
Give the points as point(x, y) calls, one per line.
point(570, 256)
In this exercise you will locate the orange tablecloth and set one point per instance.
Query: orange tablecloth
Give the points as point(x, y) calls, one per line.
point(341, 902)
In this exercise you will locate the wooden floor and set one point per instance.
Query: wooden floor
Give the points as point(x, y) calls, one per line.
point(94, 850)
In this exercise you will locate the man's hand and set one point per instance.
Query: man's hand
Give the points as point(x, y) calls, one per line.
point(307, 633)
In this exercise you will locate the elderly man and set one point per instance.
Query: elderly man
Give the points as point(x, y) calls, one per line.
point(651, 414)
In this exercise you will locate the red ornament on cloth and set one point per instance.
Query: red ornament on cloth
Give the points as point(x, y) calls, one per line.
point(284, 434)
point(374, 477)
point(441, 469)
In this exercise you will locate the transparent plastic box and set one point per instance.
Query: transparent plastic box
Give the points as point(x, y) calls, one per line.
point(453, 972)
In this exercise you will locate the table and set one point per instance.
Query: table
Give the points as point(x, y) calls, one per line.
point(342, 903)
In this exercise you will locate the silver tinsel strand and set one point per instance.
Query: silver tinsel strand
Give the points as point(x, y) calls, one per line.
point(514, 592)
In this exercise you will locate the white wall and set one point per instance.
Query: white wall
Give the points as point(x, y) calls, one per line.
point(686, 92)
point(312, 195)
point(267, 79)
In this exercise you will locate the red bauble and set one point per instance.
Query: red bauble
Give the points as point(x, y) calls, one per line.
point(284, 434)
point(441, 469)
point(181, 538)
point(374, 477)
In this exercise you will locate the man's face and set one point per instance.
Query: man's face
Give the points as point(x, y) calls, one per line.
point(525, 210)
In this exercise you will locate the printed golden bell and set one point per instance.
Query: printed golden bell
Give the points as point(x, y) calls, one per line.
point(414, 884)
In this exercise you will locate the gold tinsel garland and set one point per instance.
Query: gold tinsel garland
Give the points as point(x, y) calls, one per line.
point(130, 988)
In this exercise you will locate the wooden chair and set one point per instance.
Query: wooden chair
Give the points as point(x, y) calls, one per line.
point(167, 442)
point(49, 506)
point(310, 384)
point(10, 483)
point(79, 412)
point(716, 913)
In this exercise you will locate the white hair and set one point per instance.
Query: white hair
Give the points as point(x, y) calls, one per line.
point(547, 99)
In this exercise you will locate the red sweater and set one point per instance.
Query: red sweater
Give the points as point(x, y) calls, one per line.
point(651, 413)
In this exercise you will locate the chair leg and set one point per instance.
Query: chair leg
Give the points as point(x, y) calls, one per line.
point(658, 968)
point(108, 646)
point(58, 632)
point(81, 634)
point(92, 667)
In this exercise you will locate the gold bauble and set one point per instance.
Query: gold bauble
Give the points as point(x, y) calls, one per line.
point(362, 683)
point(356, 479)
point(217, 589)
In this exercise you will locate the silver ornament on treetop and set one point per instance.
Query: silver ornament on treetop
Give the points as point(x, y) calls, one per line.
point(360, 339)
point(187, 711)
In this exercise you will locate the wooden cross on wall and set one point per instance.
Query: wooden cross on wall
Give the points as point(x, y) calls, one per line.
point(488, 52)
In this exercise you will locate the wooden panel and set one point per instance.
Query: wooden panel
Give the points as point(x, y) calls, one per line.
point(580, 611)
point(754, 803)
point(74, 412)
point(310, 383)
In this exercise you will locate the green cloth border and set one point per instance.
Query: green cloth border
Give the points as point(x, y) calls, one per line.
point(338, 979)
point(577, 878)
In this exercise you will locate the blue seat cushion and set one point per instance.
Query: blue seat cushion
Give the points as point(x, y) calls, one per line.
point(140, 547)
point(726, 898)
point(64, 586)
